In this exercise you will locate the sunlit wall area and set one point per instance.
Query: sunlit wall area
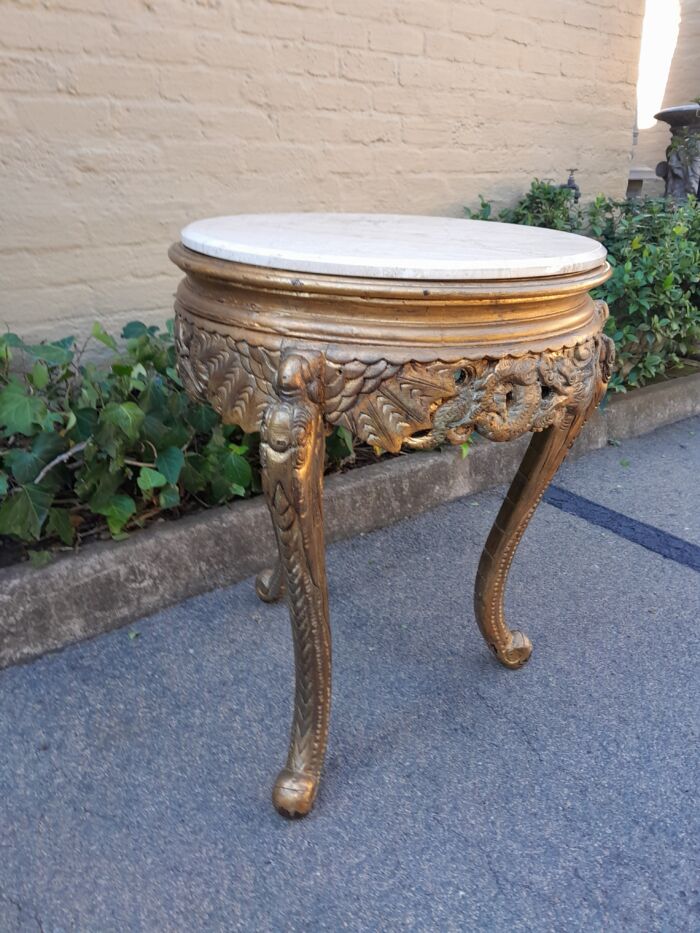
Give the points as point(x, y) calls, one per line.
point(660, 85)
point(659, 37)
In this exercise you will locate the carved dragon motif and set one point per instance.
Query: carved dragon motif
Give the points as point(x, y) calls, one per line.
point(504, 399)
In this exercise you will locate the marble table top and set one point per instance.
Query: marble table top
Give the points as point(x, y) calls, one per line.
point(393, 246)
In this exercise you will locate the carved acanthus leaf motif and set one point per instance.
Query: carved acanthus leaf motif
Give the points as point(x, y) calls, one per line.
point(236, 378)
point(380, 402)
point(401, 405)
point(388, 404)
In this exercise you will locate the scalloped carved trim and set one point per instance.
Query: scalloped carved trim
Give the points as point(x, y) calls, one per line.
point(387, 404)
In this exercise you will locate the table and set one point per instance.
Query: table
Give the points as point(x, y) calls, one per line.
point(410, 332)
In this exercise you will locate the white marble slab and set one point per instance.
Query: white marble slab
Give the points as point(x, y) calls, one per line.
point(392, 246)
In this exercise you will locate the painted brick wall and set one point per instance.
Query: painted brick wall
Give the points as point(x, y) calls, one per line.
point(120, 120)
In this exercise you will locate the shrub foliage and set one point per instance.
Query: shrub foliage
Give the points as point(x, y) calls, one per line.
point(84, 445)
point(90, 447)
point(654, 248)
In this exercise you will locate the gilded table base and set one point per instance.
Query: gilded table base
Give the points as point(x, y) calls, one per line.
point(277, 372)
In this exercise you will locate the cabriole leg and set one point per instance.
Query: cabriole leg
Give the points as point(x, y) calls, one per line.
point(542, 459)
point(292, 455)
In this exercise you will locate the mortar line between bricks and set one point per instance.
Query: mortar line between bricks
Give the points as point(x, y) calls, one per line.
point(646, 536)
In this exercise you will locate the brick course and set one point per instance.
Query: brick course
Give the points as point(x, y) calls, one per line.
point(120, 120)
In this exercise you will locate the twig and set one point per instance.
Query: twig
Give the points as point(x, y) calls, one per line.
point(61, 458)
point(139, 463)
point(79, 355)
point(140, 518)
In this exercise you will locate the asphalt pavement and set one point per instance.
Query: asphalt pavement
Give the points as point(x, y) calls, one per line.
point(135, 769)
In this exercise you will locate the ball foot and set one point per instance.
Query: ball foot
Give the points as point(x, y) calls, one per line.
point(294, 793)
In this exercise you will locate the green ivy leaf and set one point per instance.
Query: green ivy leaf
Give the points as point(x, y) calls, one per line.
point(59, 524)
point(150, 479)
point(154, 398)
point(99, 333)
point(169, 497)
point(40, 558)
point(170, 462)
point(137, 378)
point(85, 424)
point(164, 434)
point(26, 463)
point(203, 418)
point(117, 422)
point(3, 483)
point(235, 469)
point(134, 329)
point(20, 411)
point(193, 476)
point(96, 482)
point(220, 489)
point(40, 375)
point(117, 509)
point(89, 396)
point(173, 374)
point(48, 445)
point(126, 416)
point(24, 512)
point(55, 354)
point(339, 445)
point(242, 449)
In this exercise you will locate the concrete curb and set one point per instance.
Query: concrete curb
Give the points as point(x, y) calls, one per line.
point(113, 583)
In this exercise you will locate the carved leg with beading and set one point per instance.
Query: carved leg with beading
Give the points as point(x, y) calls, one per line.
point(546, 451)
point(292, 455)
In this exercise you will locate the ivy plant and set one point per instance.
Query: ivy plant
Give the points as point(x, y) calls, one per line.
point(84, 446)
point(543, 205)
point(654, 292)
point(101, 448)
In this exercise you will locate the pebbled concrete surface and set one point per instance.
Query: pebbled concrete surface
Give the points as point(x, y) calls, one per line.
point(135, 771)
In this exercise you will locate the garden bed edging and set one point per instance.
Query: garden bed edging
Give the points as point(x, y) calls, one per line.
point(110, 584)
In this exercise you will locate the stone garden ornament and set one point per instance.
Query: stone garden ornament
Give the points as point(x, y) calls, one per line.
point(411, 332)
point(681, 170)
